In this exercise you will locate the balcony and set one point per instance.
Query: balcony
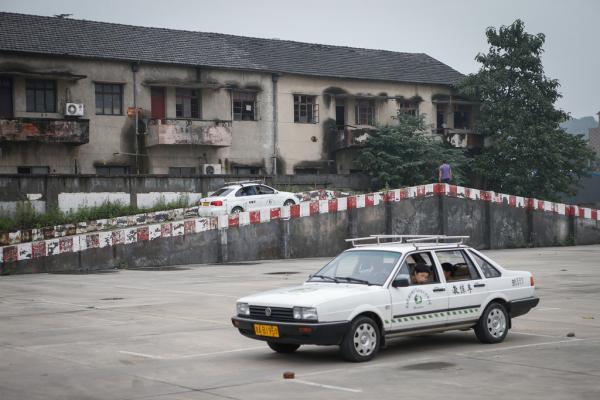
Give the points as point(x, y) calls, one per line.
point(44, 130)
point(189, 132)
point(351, 137)
point(465, 137)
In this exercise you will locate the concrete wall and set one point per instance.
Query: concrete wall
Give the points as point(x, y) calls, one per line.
point(317, 229)
point(69, 192)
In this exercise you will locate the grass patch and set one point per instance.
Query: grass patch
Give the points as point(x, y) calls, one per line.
point(26, 217)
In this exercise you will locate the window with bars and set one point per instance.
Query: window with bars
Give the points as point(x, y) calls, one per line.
point(41, 95)
point(182, 171)
point(109, 99)
point(306, 110)
point(364, 112)
point(409, 107)
point(114, 170)
point(187, 103)
point(244, 106)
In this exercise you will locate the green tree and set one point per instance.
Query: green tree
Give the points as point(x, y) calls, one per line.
point(529, 154)
point(401, 155)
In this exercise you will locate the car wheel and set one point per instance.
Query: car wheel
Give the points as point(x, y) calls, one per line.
point(492, 327)
point(289, 203)
point(284, 348)
point(237, 210)
point(361, 343)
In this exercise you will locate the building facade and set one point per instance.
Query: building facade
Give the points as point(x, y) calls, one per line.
point(82, 97)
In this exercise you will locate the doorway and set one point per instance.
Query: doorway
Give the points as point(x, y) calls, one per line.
point(6, 98)
point(157, 104)
point(340, 114)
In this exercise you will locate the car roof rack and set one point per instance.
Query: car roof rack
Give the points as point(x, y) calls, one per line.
point(416, 240)
point(244, 182)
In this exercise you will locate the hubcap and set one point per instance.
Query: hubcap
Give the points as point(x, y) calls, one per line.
point(365, 339)
point(496, 323)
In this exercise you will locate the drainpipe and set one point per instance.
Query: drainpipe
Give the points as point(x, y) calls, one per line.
point(275, 78)
point(134, 68)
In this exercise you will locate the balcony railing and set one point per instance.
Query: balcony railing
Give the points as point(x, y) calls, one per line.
point(45, 130)
point(189, 132)
point(349, 137)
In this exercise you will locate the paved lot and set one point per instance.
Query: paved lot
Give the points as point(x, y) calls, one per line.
point(166, 335)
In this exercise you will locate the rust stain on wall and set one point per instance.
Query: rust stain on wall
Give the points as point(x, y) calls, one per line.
point(45, 130)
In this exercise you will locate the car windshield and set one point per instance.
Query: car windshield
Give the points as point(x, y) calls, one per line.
point(222, 192)
point(371, 267)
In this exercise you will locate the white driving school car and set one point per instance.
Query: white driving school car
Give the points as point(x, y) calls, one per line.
point(244, 196)
point(395, 286)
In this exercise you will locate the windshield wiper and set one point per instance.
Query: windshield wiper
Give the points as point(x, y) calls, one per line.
point(325, 277)
point(354, 280)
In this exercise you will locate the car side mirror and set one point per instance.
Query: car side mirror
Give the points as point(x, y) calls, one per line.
point(401, 282)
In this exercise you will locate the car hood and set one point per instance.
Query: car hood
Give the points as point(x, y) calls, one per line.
point(307, 295)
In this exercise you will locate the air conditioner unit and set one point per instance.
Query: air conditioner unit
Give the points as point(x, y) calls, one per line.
point(210, 169)
point(74, 109)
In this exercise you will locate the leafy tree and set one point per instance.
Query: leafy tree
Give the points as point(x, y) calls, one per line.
point(400, 155)
point(529, 154)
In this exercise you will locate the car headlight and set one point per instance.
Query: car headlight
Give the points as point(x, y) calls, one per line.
point(242, 308)
point(307, 313)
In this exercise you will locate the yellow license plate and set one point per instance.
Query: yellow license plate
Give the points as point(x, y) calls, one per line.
point(206, 204)
point(266, 330)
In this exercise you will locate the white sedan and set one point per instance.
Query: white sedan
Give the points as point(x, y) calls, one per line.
point(240, 197)
point(373, 293)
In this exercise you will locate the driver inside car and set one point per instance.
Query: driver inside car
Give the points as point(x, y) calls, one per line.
point(420, 274)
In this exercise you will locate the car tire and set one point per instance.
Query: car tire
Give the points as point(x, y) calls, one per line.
point(237, 210)
point(284, 348)
point(289, 203)
point(362, 341)
point(493, 324)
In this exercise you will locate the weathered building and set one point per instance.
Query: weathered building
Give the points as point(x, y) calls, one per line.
point(160, 101)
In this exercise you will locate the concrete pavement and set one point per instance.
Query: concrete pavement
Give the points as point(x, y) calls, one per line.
point(165, 335)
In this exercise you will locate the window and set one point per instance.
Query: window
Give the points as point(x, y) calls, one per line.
point(187, 103)
point(459, 266)
point(360, 266)
point(182, 171)
point(112, 170)
point(461, 117)
point(364, 112)
point(244, 106)
point(33, 170)
point(109, 99)
point(247, 191)
point(262, 189)
point(409, 264)
point(41, 95)
point(410, 108)
point(246, 170)
point(305, 109)
point(488, 269)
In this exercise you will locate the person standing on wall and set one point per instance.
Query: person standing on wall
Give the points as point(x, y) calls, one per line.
point(444, 173)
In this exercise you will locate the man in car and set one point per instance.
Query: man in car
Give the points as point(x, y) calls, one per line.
point(420, 274)
point(449, 270)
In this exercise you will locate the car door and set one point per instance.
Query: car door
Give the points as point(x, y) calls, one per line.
point(246, 197)
point(465, 287)
point(266, 197)
point(418, 306)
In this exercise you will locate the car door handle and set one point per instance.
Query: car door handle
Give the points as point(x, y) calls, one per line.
point(479, 285)
point(439, 289)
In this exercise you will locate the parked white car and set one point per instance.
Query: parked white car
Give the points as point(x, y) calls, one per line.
point(244, 196)
point(370, 294)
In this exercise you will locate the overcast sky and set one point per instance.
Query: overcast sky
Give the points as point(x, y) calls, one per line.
point(451, 31)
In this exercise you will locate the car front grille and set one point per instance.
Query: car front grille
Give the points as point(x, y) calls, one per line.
point(277, 313)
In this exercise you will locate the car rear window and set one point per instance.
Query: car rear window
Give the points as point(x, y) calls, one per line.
point(488, 270)
point(222, 192)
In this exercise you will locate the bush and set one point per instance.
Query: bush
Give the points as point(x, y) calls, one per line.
point(26, 217)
